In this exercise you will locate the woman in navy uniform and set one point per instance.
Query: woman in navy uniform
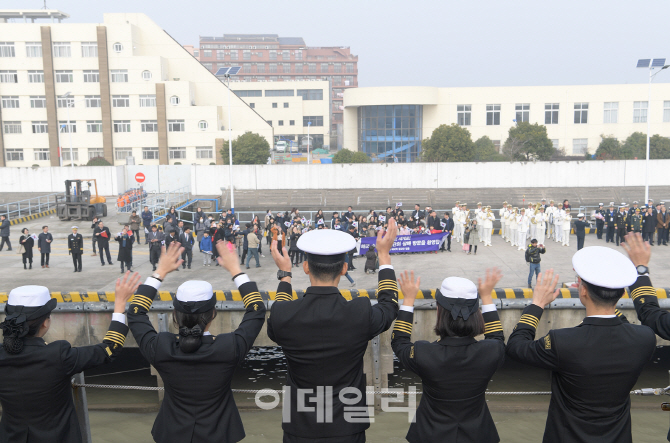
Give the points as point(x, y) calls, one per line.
point(196, 367)
point(456, 370)
point(36, 386)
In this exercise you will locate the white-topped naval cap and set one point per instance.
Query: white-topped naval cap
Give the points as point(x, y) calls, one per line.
point(194, 290)
point(580, 215)
point(458, 287)
point(600, 204)
point(326, 242)
point(30, 296)
point(604, 267)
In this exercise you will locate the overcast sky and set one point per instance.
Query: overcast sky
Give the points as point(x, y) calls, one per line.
point(432, 43)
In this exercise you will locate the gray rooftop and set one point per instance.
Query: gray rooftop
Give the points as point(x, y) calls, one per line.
point(32, 14)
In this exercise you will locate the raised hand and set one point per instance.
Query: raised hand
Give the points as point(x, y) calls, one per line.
point(545, 290)
point(228, 258)
point(170, 259)
point(409, 287)
point(124, 290)
point(385, 241)
point(283, 262)
point(493, 276)
point(638, 250)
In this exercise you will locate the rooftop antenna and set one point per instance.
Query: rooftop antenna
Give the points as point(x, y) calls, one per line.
point(45, 5)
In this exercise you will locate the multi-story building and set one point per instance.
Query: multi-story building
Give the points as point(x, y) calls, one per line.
point(268, 57)
point(113, 90)
point(392, 121)
point(291, 107)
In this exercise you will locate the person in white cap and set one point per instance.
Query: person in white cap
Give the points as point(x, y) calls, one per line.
point(456, 369)
point(196, 367)
point(594, 365)
point(580, 229)
point(75, 246)
point(611, 223)
point(36, 382)
point(566, 223)
point(523, 222)
point(324, 336)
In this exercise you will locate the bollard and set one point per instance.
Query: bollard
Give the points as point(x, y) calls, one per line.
point(81, 406)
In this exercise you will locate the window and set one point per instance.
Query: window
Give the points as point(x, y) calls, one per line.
point(12, 127)
point(10, 101)
point(279, 93)
point(7, 49)
point(285, 104)
point(522, 112)
point(9, 77)
point(120, 101)
point(89, 49)
point(41, 153)
point(91, 76)
point(273, 67)
point(291, 122)
point(269, 122)
point(93, 125)
point(207, 53)
point(666, 111)
point(119, 76)
point(316, 120)
point(148, 101)
point(286, 55)
point(13, 154)
point(350, 67)
point(274, 105)
point(203, 125)
point(640, 112)
point(62, 49)
point(95, 153)
point(118, 47)
point(150, 153)
point(492, 115)
point(35, 76)
point(92, 101)
point(463, 114)
point(551, 113)
point(38, 101)
point(64, 102)
point(220, 55)
point(204, 152)
point(311, 67)
point(252, 105)
point(311, 94)
point(280, 123)
point(149, 125)
point(298, 55)
point(246, 55)
point(246, 68)
point(64, 77)
point(581, 113)
point(324, 67)
point(554, 143)
point(174, 100)
point(196, 53)
point(337, 67)
point(255, 93)
point(273, 55)
point(234, 55)
point(67, 128)
point(177, 153)
point(176, 125)
point(579, 145)
point(286, 68)
point(298, 68)
point(65, 152)
point(146, 75)
point(123, 153)
point(611, 111)
point(121, 125)
point(33, 49)
point(209, 66)
point(40, 127)
point(260, 68)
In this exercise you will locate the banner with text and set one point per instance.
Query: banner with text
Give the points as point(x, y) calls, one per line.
point(408, 243)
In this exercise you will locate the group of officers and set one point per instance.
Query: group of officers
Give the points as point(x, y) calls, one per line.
point(651, 220)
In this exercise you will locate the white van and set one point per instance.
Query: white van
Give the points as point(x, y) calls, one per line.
point(280, 146)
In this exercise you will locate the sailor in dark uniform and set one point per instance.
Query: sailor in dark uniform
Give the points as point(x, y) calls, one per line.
point(75, 245)
point(456, 370)
point(36, 385)
point(324, 337)
point(594, 365)
point(610, 223)
point(196, 367)
point(620, 222)
point(600, 223)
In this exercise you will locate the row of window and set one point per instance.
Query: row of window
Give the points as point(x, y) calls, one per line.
point(91, 101)
point(551, 110)
point(67, 76)
point(247, 54)
point(41, 127)
point(337, 80)
point(306, 94)
point(314, 120)
point(298, 68)
point(201, 152)
point(60, 49)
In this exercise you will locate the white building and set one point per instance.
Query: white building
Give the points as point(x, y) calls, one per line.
point(290, 107)
point(390, 121)
point(133, 90)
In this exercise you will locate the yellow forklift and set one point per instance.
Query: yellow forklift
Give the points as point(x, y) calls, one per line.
point(78, 203)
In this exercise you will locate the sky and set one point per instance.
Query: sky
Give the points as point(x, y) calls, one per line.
point(431, 43)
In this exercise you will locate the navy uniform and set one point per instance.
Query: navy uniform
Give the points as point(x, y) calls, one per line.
point(621, 220)
point(455, 371)
point(610, 223)
point(75, 246)
point(600, 224)
point(594, 365)
point(198, 405)
point(36, 382)
point(580, 230)
point(324, 338)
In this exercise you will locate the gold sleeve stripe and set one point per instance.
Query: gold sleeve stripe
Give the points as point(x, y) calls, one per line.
point(489, 327)
point(253, 300)
point(643, 291)
point(116, 334)
point(109, 351)
point(142, 303)
point(115, 340)
point(251, 294)
point(530, 319)
point(284, 295)
point(403, 329)
point(491, 331)
point(528, 323)
point(388, 283)
point(403, 323)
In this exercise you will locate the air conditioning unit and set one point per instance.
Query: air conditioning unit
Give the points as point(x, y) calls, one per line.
point(223, 128)
point(267, 47)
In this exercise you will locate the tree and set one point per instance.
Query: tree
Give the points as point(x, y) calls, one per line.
point(448, 144)
point(360, 157)
point(98, 161)
point(635, 146)
point(347, 156)
point(609, 149)
point(528, 142)
point(484, 149)
point(659, 147)
point(248, 149)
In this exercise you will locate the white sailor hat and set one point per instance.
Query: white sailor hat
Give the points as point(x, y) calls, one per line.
point(650, 200)
point(33, 301)
point(604, 267)
point(326, 246)
point(612, 203)
point(74, 227)
point(194, 297)
point(635, 203)
point(544, 200)
point(600, 204)
point(479, 203)
point(580, 215)
point(458, 295)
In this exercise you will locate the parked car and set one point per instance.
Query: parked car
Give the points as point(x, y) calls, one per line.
point(280, 146)
point(304, 144)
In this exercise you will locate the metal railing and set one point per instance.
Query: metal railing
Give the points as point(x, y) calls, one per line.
point(34, 205)
point(159, 203)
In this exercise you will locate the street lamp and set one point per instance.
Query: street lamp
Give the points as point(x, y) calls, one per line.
point(309, 123)
point(226, 73)
point(651, 64)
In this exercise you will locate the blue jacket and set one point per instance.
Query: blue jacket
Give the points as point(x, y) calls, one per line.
point(206, 244)
point(146, 218)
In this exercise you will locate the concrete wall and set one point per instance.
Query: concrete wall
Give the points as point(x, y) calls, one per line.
point(48, 180)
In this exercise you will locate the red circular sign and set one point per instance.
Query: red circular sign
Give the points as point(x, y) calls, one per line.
point(139, 177)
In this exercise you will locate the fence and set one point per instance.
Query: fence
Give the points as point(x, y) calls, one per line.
point(158, 203)
point(35, 205)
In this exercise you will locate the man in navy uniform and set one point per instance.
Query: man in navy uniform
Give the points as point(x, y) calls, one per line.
point(620, 222)
point(324, 336)
point(580, 229)
point(600, 223)
point(595, 365)
point(75, 245)
point(610, 222)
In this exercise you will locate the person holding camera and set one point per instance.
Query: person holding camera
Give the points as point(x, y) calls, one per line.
point(533, 259)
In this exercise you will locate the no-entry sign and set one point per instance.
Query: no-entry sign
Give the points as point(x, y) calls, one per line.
point(139, 177)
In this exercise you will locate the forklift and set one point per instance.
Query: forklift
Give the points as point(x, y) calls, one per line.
point(77, 203)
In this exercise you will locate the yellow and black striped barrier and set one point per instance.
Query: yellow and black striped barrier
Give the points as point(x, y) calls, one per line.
point(349, 294)
point(17, 221)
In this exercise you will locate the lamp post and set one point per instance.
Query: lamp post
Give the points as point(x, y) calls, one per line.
point(309, 123)
point(230, 151)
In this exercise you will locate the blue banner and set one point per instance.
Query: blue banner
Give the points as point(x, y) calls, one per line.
point(408, 243)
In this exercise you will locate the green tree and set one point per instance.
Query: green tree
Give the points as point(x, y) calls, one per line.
point(248, 149)
point(360, 157)
point(485, 150)
point(635, 146)
point(527, 142)
point(451, 143)
point(347, 156)
point(98, 161)
point(659, 147)
point(609, 149)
